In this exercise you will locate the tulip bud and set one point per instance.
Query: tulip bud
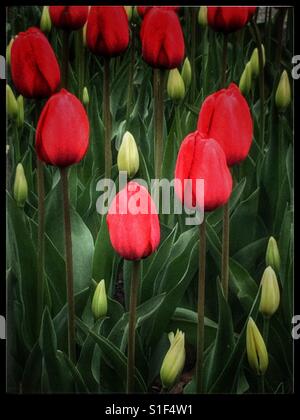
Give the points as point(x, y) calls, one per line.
point(85, 97)
point(128, 10)
point(202, 16)
point(270, 294)
point(175, 85)
point(254, 61)
point(45, 22)
point(84, 34)
point(128, 156)
point(174, 360)
point(11, 103)
point(186, 72)
point(8, 51)
point(256, 349)
point(246, 80)
point(283, 92)
point(272, 254)
point(20, 117)
point(20, 186)
point(99, 302)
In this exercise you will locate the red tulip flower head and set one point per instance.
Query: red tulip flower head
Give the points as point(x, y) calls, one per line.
point(34, 67)
point(229, 19)
point(225, 116)
point(133, 223)
point(162, 39)
point(202, 158)
point(69, 17)
point(62, 134)
point(107, 32)
point(142, 10)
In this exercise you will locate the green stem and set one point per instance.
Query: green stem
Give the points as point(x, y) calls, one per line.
point(266, 327)
point(17, 144)
point(131, 73)
point(80, 55)
point(200, 308)
point(41, 242)
point(261, 84)
point(225, 250)
point(193, 51)
point(107, 118)
point(205, 57)
point(261, 384)
point(65, 58)
point(158, 88)
point(224, 60)
point(69, 265)
point(280, 24)
point(132, 322)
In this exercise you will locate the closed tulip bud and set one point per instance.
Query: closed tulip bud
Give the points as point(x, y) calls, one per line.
point(69, 17)
point(186, 73)
point(246, 80)
point(20, 186)
point(128, 10)
point(62, 134)
point(133, 223)
point(174, 360)
point(175, 85)
point(85, 97)
point(224, 114)
point(283, 92)
point(202, 16)
point(11, 103)
point(272, 254)
point(45, 22)
point(99, 302)
point(128, 155)
point(254, 61)
point(20, 118)
point(270, 294)
point(256, 349)
point(8, 51)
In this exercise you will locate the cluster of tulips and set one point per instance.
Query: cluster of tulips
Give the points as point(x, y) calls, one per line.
point(221, 139)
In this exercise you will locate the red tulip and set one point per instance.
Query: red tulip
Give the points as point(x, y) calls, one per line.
point(34, 68)
point(225, 116)
point(107, 32)
point(202, 158)
point(162, 39)
point(142, 10)
point(133, 223)
point(69, 17)
point(229, 19)
point(62, 134)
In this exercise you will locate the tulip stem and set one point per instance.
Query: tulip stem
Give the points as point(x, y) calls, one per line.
point(224, 60)
point(266, 327)
point(131, 73)
point(65, 58)
point(193, 51)
point(261, 383)
point(225, 250)
point(106, 118)
point(158, 92)
point(200, 308)
point(131, 328)
point(69, 265)
point(261, 83)
point(41, 242)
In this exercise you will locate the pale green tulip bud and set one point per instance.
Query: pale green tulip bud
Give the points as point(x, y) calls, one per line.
point(20, 118)
point(99, 302)
point(175, 85)
point(283, 92)
point(128, 155)
point(45, 22)
point(246, 80)
point(256, 349)
point(20, 186)
point(255, 61)
point(8, 51)
point(202, 16)
point(85, 97)
point(270, 294)
point(186, 72)
point(272, 254)
point(11, 103)
point(174, 360)
point(128, 10)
